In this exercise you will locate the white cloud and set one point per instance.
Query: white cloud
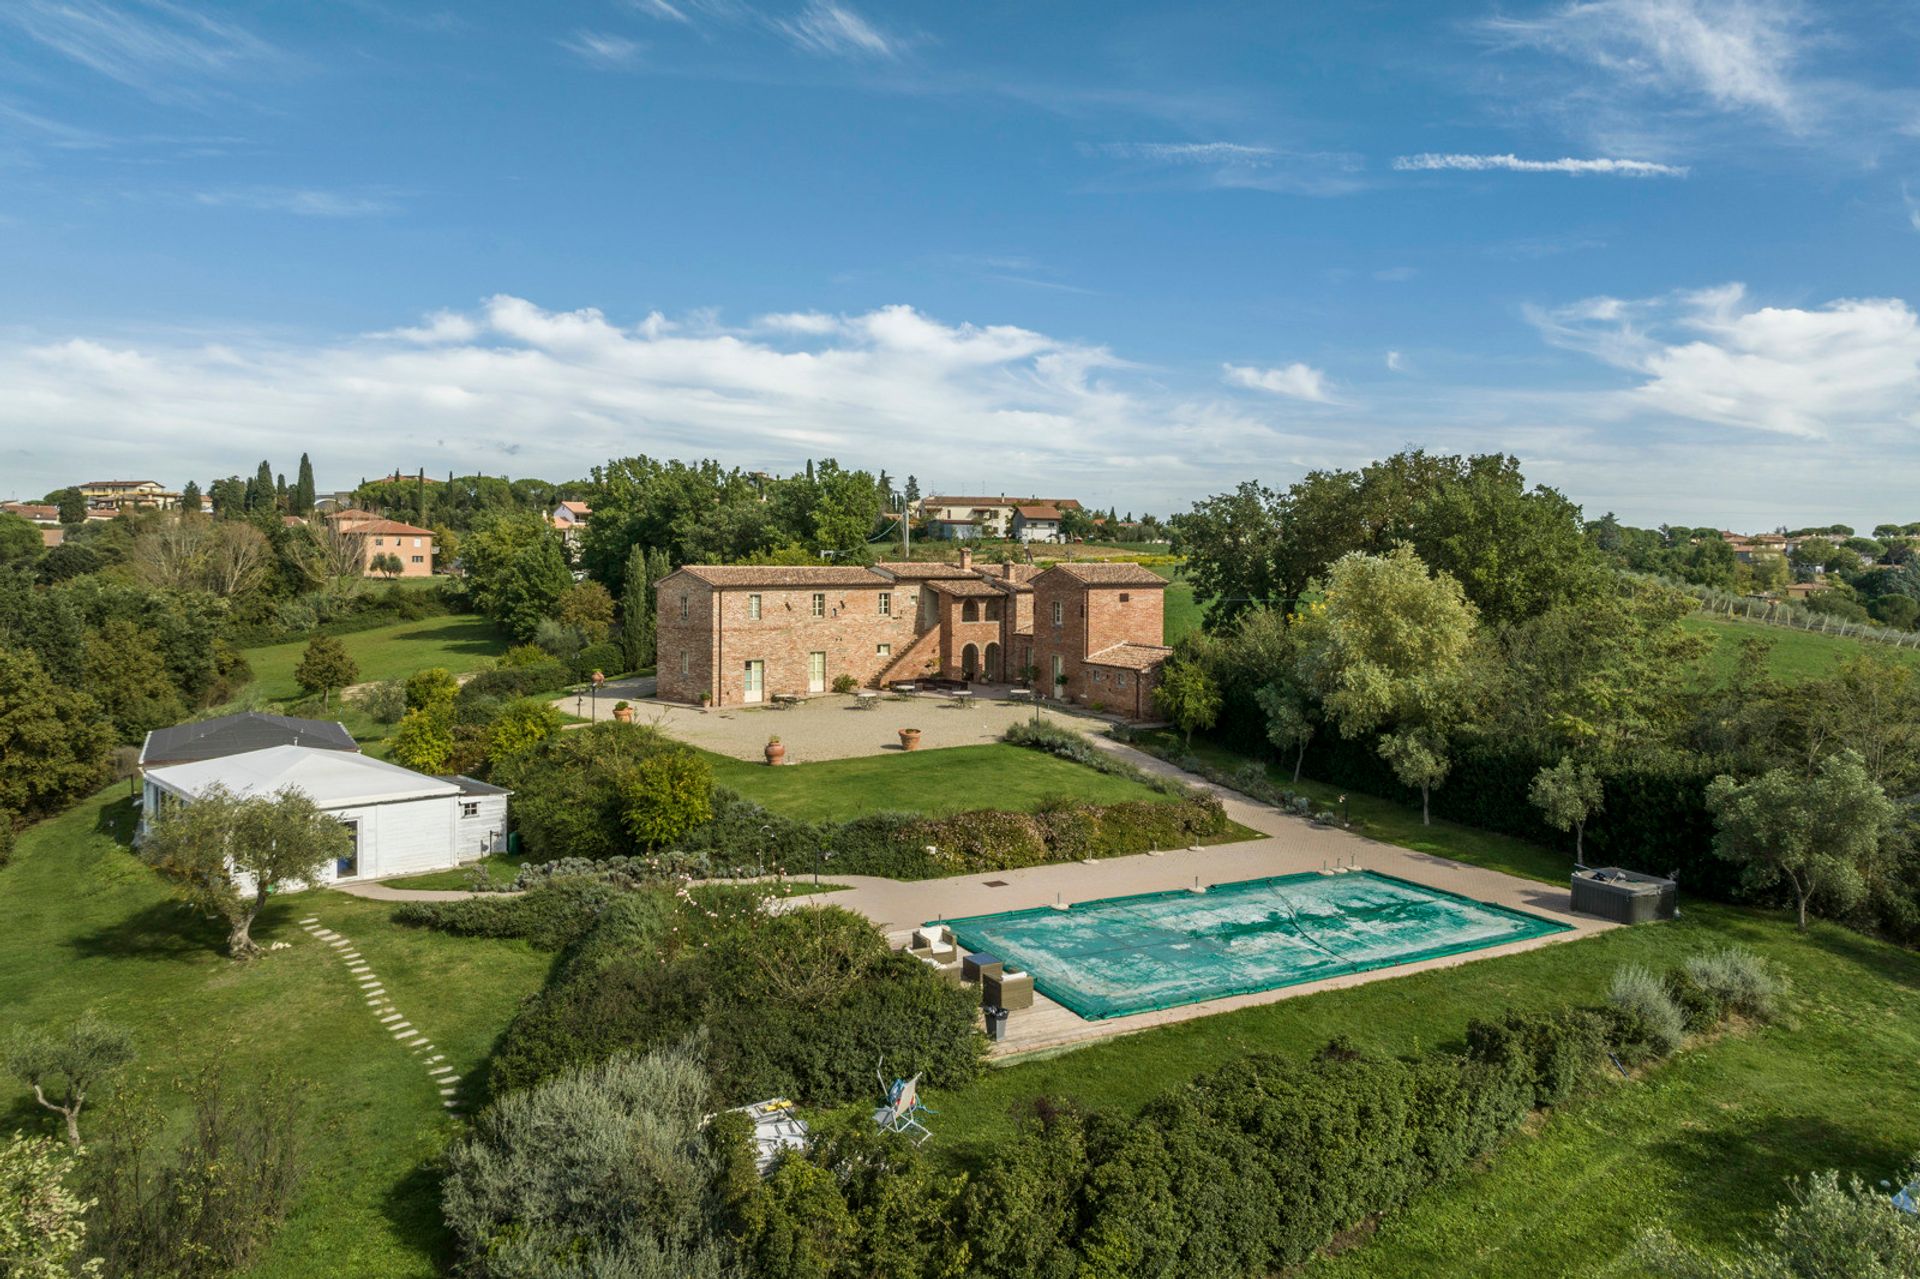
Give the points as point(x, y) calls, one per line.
point(603, 50)
point(1711, 355)
point(1396, 362)
point(300, 201)
point(1737, 54)
point(661, 9)
point(835, 30)
point(810, 323)
point(1431, 161)
point(159, 47)
point(1296, 381)
point(1187, 152)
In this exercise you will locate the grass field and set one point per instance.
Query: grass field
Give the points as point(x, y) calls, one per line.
point(1704, 1144)
point(459, 643)
point(955, 780)
point(90, 927)
point(1796, 655)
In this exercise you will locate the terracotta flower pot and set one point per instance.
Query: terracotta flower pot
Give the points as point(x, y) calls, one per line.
point(624, 714)
point(910, 739)
point(776, 753)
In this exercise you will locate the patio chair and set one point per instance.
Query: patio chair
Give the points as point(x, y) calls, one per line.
point(1011, 990)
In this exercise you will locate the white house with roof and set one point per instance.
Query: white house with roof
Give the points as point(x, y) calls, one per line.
point(402, 821)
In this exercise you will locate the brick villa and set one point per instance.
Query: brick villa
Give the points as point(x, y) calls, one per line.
point(377, 535)
point(741, 634)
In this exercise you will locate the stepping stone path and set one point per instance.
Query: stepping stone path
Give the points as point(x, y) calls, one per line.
point(389, 1017)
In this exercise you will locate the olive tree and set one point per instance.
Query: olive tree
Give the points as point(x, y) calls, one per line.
point(225, 853)
point(64, 1069)
point(325, 666)
point(1567, 794)
point(1819, 835)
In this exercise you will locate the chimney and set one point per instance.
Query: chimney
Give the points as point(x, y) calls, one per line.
point(1006, 570)
point(966, 559)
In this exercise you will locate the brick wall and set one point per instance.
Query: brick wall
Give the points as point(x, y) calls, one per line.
point(1093, 618)
point(721, 636)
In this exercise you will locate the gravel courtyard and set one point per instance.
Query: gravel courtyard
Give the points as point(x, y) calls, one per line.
point(832, 726)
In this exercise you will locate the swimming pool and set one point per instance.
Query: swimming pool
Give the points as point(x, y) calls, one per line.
point(1121, 955)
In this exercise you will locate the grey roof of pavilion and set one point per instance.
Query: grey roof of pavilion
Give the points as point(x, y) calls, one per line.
point(238, 734)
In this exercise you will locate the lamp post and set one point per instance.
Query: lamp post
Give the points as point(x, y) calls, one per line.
point(1343, 812)
point(822, 855)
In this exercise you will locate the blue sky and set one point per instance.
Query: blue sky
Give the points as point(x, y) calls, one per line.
point(1664, 250)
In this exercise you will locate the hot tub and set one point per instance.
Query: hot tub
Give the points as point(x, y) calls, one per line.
point(1624, 896)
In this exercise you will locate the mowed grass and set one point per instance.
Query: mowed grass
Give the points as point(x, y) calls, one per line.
point(88, 926)
point(1704, 1144)
point(957, 779)
point(1794, 656)
point(1180, 613)
point(459, 643)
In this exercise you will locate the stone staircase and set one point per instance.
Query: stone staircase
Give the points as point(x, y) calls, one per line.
point(911, 662)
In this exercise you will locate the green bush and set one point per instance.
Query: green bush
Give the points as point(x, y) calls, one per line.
point(1554, 1050)
point(567, 799)
point(798, 1004)
point(1656, 1024)
point(548, 917)
point(524, 655)
point(606, 1170)
point(1738, 981)
point(385, 702)
point(666, 795)
point(603, 657)
point(430, 687)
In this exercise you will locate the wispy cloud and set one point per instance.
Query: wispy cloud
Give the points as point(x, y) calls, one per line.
point(1433, 161)
point(837, 31)
point(602, 50)
point(661, 9)
point(1396, 362)
point(1295, 381)
point(1185, 152)
point(1735, 54)
point(300, 201)
point(159, 47)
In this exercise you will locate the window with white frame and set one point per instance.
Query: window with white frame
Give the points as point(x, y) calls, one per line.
point(883, 650)
point(886, 603)
point(419, 559)
point(753, 607)
point(819, 603)
point(1059, 613)
point(416, 541)
point(470, 808)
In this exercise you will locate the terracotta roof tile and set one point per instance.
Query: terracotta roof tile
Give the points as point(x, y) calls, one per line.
point(1110, 574)
point(1133, 657)
point(735, 575)
point(389, 527)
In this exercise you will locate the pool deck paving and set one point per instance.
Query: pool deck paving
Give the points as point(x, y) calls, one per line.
point(1289, 845)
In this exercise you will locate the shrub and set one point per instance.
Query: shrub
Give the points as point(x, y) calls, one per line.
point(608, 1166)
point(603, 657)
point(1654, 1023)
point(522, 723)
point(523, 655)
point(430, 687)
point(523, 680)
point(1739, 980)
point(424, 740)
point(845, 683)
point(386, 701)
point(666, 795)
point(6, 837)
point(567, 799)
point(548, 917)
point(1554, 1051)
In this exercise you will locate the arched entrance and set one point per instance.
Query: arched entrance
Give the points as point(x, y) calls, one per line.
point(990, 670)
point(969, 663)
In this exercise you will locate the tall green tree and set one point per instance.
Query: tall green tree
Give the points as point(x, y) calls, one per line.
point(20, 541)
point(517, 572)
point(73, 506)
point(638, 618)
point(1821, 835)
point(1232, 547)
point(1387, 650)
point(225, 853)
point(324, 667)
point(54, 743)
point(190, 497)
point(303, 487)
point(124, 670)
point(1187, 695)
point(260, 489)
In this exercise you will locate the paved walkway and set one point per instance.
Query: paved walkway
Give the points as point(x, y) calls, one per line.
point(397, 891)
point(1289, 845)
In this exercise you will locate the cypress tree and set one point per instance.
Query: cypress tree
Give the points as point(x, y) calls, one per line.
point(303, 488)
point(260, 490)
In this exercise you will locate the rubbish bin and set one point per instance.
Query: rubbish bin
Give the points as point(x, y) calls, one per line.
point(996, 1023)
point(513, 844)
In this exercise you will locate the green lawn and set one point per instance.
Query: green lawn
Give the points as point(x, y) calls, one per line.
point(459, 643)
point(1180, 614)
point(89, 927)
point(1704, 1144)
point(955, 780)
point(1796, 655)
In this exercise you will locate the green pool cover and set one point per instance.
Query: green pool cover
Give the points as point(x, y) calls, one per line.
point(1121, 955)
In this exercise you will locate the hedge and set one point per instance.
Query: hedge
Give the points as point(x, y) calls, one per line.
point(799, 1004)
